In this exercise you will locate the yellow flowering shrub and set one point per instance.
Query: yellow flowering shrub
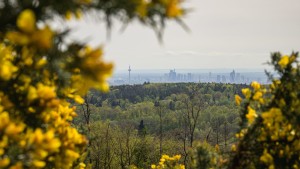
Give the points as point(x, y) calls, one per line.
point(41, 75)
point(270, 134)
point(167, 162)
point(206, 156)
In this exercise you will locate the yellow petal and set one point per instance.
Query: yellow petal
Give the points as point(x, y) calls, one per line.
point(284, 61)
point(257, 95)
point(68, 15)
point(251, 115)
point(173, 10)
point(26, 21)
point(255, 85)
point(238, 100)
point(18, 38)
point(32, 94)
point(78, 99)
point(4, 162)
point(43, 38)
point(38, 164)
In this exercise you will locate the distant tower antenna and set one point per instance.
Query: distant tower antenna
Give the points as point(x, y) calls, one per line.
point(129, 70)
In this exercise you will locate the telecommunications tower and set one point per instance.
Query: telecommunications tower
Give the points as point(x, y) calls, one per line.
point(129, 70)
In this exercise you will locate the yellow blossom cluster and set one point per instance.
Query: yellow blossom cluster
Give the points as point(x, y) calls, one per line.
point(256, 94)
point(171, 8)
point(69, 15)
point(35, 128)
point(28, 34)
point(142, 8)
point(89, 70)
point(168, 162)
point(7, 68)
point(272, 112)
point(284, 61)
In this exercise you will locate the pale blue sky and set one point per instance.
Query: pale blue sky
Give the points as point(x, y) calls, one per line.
point(224, 34)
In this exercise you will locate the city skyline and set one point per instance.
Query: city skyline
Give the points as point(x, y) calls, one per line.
point(173, 76)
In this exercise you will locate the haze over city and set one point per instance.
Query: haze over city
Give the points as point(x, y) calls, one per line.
point(223, 34)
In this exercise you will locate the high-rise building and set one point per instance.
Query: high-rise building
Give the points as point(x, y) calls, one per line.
point(172, 75)
point(232, 76)
point(218, 78)
point(189, 77)
point(223, 79)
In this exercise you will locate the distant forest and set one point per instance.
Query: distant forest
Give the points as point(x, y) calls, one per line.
point(136, 124)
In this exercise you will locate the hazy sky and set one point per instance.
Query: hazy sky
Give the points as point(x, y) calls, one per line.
point(224, 34)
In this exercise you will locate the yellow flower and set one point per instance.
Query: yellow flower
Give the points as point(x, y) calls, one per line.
point(41, 153)
point(53, 145)
point(68, 15)
point(38, 164)
point(27, 56)
point(18, 165)
point(173, 10)
point(18, 38)
point(255, 85)
point(93, 71)
point(266, 158)
point(246, 92)
point(32, 94)
point(217, 147)
point(46, 92)
point(4, 142)
point(284, 61)
point(43, 38)
point(271, 167)
point(13, 129)
point(82, 165)
point(282, 102)
point(72, 154)
point(26, 21)
point(238, 100)
point(257, 95)
point(262, 101)
point(40, 63)
point(251, 115)
point(166, 157)
point(233, 147)
point(177, 157)
point(78, 99)
point(36, 137)
point(141, 9)
point(4, 162)
point(7, 69)
point(153, 166)
point(78, 14)
point(104, 87)
point(4, 119)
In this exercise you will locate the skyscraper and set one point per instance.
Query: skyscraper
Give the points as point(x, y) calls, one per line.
point(172, 75)
point(232, 76)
